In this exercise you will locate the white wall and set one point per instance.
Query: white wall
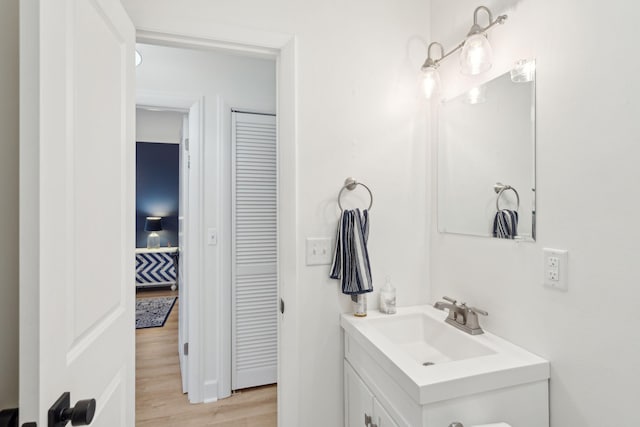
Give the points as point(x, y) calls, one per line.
point(158, 126)
point(224, 81)
point(9, 205)
point(359, 113)
point(587, 199)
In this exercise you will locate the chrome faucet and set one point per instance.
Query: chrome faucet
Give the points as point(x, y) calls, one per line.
point(461, 316)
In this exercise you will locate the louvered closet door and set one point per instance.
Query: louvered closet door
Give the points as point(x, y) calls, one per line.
point(254, 251)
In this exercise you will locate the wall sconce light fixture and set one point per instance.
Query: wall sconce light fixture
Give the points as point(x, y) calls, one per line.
point(523, 71)
point(475, 57)
point(430, 75)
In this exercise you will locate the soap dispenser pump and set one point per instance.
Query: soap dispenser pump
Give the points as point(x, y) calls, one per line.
point(388, 298)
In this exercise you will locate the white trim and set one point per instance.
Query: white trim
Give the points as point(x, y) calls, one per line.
point(224, 260)
point(223, 38)
point(283, 48)
point(288, 249)
point(210, 392)
point(166, 101)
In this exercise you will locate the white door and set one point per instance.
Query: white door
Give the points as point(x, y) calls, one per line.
point(183, 326)
point(254, 251)
point(77, 207)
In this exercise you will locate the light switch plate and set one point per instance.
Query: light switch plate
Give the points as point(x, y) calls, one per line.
point(556, 269)
point(319, 251)
point(212, 237)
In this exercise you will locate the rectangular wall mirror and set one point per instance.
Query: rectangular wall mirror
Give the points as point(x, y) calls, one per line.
point(486, 158)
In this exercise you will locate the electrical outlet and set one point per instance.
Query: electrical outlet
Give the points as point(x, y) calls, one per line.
point(319, 251)
point(555, 269)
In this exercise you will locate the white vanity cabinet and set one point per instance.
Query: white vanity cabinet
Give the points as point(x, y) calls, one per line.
point(361, 406)
point(484, 380)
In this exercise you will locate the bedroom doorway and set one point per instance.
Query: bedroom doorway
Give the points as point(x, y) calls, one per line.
point(161, 194)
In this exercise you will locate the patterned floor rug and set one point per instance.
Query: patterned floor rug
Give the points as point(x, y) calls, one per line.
point(153, 312)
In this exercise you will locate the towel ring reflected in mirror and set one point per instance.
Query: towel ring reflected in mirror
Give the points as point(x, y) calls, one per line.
point(501, 188)
point(350, 184)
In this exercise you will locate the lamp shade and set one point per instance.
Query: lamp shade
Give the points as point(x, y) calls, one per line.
point(153, 223)
point(430, 81)
point(476, 55)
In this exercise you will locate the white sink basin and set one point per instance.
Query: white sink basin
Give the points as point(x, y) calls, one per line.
point(433, 361)
point(427, 340)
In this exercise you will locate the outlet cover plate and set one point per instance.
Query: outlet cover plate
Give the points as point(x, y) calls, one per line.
point(556, 269)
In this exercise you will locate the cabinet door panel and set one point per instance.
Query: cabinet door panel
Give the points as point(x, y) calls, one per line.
point(358, 399)
point(381, 416)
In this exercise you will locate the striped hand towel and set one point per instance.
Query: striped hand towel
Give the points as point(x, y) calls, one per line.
point(351, 257)
point(505, 224)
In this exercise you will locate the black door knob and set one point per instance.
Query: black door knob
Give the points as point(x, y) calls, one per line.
point(9, 417)
point(80, 415)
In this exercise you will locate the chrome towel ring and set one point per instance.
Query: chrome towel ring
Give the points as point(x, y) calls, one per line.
point(350, 184)
point(500, 188)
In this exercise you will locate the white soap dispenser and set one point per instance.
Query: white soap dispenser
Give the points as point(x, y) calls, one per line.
point(388, 298)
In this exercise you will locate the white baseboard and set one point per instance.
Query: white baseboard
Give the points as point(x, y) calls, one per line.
point(210, 391)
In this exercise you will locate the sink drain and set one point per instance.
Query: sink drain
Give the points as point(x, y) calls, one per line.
point(428, 364)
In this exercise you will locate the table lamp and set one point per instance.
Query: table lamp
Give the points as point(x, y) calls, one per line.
point(153, 224)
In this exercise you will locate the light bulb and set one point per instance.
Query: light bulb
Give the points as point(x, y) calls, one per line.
point(477, 95)
point(524, 71)
point(476, 55)
point(138, 58)
point(430, 81)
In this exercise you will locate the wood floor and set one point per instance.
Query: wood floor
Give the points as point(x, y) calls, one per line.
point(159, 398)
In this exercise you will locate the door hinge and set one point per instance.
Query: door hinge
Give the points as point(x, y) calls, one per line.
point(188, 161)
point(185, 349)
point(186, 144)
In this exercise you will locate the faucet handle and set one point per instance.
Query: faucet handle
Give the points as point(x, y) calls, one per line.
point(451, 300)
point(478, 311)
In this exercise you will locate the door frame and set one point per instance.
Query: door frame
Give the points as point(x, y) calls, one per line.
point(281, 47)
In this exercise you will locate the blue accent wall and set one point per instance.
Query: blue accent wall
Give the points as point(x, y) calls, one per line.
point(157, 190)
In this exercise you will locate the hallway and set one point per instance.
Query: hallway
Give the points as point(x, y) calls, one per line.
point(159, 401)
